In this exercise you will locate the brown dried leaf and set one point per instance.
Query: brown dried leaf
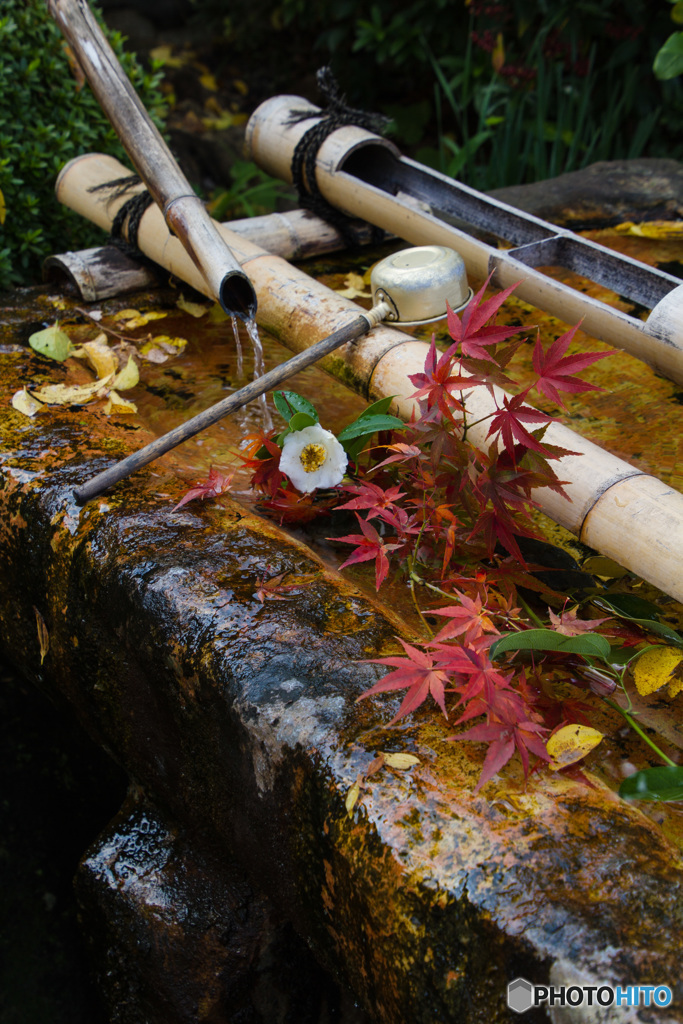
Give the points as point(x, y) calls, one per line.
point(43, 635)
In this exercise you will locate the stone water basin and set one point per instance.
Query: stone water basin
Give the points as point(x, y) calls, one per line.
point(236, 720)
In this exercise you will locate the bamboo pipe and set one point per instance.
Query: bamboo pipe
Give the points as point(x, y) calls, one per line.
point(271, 139)
point(102, 272)
point(184, 212)
point(614, 507)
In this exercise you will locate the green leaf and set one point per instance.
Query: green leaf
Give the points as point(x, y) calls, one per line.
point(663, 783)
point(300, 420)
point(588, 644)
point(626, 606)
point(365, 425)
point(669, 61)
point(52, 342)
point(380, 406)
point(630, 606)
point(288, 403)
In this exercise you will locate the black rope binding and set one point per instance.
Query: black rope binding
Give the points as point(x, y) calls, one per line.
point(129, 215)
point(335, 115)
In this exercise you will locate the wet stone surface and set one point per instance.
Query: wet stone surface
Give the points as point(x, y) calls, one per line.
point(178, 935)
point(238, 719)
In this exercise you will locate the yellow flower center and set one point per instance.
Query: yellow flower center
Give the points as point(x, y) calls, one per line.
point(312, 457)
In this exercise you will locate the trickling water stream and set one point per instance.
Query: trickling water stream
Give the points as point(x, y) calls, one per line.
point(259, 369)
point(238, 348)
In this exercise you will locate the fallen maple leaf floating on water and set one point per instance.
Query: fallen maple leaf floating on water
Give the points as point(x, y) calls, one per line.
point(216, 483)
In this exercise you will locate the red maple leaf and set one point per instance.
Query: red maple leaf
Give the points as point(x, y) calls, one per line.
point(296, 509)
point(568, 624)
point(262, 457)
point(503, 739)
point(216, 483)
point(436, 384)
point(371, 496)
point(556, 372)
point(416, 672)
point(469, 617)
point(509, 422)
point(470, 330)
point(370, 546)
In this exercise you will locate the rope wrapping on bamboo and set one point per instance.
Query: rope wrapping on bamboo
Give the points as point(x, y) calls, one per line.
point(336, 114)
point(129, 216)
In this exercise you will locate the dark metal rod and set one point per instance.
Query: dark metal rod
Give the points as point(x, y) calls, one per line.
point(350, 332)
point(183, 211)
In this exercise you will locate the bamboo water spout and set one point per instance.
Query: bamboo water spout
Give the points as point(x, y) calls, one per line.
point(183, 211)
point(365, 176)
point(614, 507)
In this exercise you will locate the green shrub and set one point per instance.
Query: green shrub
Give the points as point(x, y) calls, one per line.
point(46, 118)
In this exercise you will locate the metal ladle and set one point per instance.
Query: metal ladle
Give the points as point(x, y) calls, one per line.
point(416, 280)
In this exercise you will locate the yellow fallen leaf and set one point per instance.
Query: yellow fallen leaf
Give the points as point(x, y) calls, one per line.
point(570, 744)
point(102, 358)
point(401, 761)
point(23, 402)
point(43, 635)
point(164, 55)
point(208, 81)
point(351, 798)
point(116, 404)
point(661, 229)
point(355, 287)
point(193, 308)
point(225, 120)
point(128, 377)
point(654, 668)
point(241, 86)
point(133, 318)
point(675, 687)
point(601, 565)
point(174, 346)
point(71, 394)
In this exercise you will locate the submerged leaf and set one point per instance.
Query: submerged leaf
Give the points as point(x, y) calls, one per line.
point(133, 318)
point(23, 402)
point(193, 308)
point(655, 667)
point(661, 783)
point(53, 342)
point(116, 404)
point(570, 744)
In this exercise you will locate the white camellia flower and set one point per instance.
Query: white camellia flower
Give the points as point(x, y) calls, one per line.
point(312, 458)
